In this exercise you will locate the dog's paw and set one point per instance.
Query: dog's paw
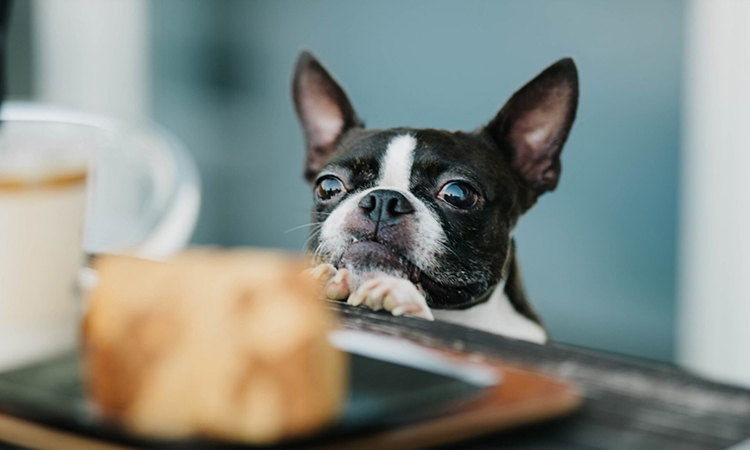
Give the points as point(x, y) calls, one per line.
point(336, 283)
point(397, 295)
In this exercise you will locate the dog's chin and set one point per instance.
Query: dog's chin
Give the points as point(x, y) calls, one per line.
point(370, 257)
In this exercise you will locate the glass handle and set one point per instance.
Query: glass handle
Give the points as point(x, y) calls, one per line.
point(177, 175)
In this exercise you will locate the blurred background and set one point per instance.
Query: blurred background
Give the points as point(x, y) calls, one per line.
point(601, 256)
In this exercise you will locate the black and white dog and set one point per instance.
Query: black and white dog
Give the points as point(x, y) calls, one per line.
point(420, 221)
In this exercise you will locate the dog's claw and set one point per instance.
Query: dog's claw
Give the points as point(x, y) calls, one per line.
point(413, 310)
point(322, 272)
point(357, 298)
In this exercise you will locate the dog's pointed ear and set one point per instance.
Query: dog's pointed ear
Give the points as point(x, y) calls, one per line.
point(323, 110)
point(534, 124)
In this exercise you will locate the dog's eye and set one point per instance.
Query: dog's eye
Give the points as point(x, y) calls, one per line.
point(329, 187)
point(458, 194)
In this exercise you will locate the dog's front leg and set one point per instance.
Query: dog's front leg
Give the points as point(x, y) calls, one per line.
point(397, 295)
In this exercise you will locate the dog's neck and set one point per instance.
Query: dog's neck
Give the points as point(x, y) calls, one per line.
point(497, 315)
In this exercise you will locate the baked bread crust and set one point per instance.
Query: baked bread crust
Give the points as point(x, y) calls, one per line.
point(227, 344)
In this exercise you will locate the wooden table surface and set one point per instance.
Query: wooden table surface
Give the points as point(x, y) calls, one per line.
point(629, 403)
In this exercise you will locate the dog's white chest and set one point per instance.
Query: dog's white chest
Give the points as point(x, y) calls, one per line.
point(497, 316)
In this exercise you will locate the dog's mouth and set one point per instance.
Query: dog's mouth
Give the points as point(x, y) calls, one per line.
point(377, 256)
point(374, 256)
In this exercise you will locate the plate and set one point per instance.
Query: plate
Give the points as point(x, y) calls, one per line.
point(387, 389)
point(404, 395)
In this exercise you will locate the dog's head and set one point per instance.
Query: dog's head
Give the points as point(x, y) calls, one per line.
point(434, 206)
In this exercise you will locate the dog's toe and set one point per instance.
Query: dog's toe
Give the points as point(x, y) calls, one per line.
point(336, 284)
point(365, 294)
point(339, 287)
point(322, 272)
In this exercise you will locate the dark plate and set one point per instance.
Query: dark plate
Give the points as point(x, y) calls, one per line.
point(383, 394)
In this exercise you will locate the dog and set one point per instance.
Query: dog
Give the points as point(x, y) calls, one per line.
point(420, 221)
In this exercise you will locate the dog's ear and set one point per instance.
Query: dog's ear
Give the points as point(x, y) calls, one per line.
point(323, 110)
point(534, 124)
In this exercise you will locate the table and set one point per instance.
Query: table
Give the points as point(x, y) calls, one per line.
point(629, 403)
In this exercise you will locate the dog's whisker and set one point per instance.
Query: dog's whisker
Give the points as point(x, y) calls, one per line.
point(444, 246)
point(303, 226)
point(312, 235)
point(310, 238)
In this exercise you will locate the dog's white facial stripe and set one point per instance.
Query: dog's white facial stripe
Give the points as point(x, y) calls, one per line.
point(395, 172)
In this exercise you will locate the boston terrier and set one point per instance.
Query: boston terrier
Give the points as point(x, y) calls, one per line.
point(420, 221)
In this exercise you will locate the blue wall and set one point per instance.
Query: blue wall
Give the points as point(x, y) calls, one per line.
point(598, 254)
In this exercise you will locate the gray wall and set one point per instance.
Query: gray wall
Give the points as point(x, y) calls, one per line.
point(598, 254)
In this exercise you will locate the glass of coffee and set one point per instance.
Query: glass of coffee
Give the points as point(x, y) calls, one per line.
point(73, 184)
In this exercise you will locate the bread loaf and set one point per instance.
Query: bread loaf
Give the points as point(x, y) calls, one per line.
point(213, 344)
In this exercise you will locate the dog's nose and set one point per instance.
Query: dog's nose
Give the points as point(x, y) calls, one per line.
point(385, 206)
